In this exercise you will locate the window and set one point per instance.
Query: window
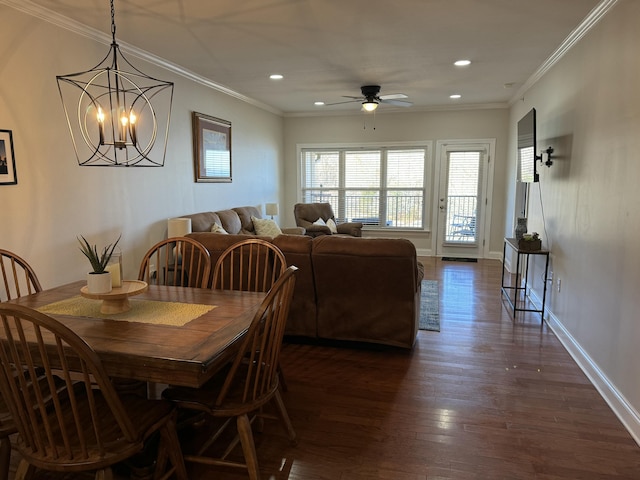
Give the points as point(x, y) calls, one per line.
point(381, 187)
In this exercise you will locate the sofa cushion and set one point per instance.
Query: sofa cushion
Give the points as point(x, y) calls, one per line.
point(202, 222)
point(245, 214)
point(266, 227)
point(230, 221)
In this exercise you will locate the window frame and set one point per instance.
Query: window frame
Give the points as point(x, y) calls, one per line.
point(427, 182)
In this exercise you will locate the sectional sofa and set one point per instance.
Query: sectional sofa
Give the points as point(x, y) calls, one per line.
point(347, 288)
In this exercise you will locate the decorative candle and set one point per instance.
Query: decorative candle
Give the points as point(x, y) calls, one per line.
point(123, 132)
point(101, 125)
point(115, 267)
point(132, 128)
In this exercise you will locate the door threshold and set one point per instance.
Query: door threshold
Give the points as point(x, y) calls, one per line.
point(459, 259)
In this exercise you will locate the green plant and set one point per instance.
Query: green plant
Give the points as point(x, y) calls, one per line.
point(98, 261)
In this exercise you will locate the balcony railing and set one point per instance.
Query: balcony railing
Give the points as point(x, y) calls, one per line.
point(461, 219)
point(402, 211)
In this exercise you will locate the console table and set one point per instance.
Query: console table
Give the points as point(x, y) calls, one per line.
point(517, 287)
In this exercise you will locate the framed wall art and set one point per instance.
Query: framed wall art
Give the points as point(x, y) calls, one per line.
point(7, 160)
point(211, 148)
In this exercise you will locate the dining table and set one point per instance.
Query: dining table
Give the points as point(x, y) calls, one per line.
point(169, 335)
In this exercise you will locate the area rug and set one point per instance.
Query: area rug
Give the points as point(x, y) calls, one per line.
point(429, 311)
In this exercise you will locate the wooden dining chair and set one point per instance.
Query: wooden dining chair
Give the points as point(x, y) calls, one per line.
point(84, 426)
point(251, 265)
point(18, 278)
point(248, 384)
point(177, 261)
point(8, 426)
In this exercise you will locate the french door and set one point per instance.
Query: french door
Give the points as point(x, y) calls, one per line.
point(463, 170)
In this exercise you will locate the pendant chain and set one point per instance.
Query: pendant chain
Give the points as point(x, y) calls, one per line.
point(113, 22)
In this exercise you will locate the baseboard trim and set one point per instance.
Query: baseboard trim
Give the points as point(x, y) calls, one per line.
point(620, 406)
point(618, 403)
point(427, 252)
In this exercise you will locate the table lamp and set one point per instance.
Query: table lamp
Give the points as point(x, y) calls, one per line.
point(178, 227)
point(271, 209)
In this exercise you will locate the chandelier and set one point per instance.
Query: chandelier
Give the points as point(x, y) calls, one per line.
point(117, 117)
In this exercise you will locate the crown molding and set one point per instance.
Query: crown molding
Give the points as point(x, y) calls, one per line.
point(28, 7)
point(389, 111)
point(598, 12)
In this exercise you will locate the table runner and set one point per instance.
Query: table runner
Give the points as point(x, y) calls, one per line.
point(143, 311)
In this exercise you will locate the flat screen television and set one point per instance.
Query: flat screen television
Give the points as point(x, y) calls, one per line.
point(527, 148)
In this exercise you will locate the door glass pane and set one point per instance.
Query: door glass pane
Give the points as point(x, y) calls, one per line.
point(462, 197)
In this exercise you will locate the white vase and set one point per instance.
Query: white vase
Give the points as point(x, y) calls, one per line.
point(99, 282)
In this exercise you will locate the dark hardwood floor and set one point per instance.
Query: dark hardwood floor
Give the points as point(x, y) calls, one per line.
point(485, 398)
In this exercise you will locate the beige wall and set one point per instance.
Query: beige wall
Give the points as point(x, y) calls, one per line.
point(403, 127)
point(588, 110)
point(55, 199)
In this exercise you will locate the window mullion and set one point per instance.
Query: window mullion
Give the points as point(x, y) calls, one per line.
point(383, 186)
point(341, 213)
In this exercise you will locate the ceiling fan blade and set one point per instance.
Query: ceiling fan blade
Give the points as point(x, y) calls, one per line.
point(357, 99)
point(397, 103)
point(393, 96)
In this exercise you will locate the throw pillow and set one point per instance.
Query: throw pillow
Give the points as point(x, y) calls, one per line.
point(218, 229)
point(320, 221)
point(332, 226)
point(266, 227)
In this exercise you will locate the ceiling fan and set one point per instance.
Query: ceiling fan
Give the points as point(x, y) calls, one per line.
point(370, 98)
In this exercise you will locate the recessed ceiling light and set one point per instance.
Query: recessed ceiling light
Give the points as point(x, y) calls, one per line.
point(276, 76)
point(318, 104)
point(462, 63)
point(455, 95)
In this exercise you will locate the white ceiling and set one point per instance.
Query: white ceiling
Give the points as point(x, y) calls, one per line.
point(327, 48)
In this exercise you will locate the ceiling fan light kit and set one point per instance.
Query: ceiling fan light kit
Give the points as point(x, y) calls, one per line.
point(369, 105)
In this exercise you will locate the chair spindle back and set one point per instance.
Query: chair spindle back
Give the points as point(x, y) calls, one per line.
point(18, 278)
point(252, 265)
